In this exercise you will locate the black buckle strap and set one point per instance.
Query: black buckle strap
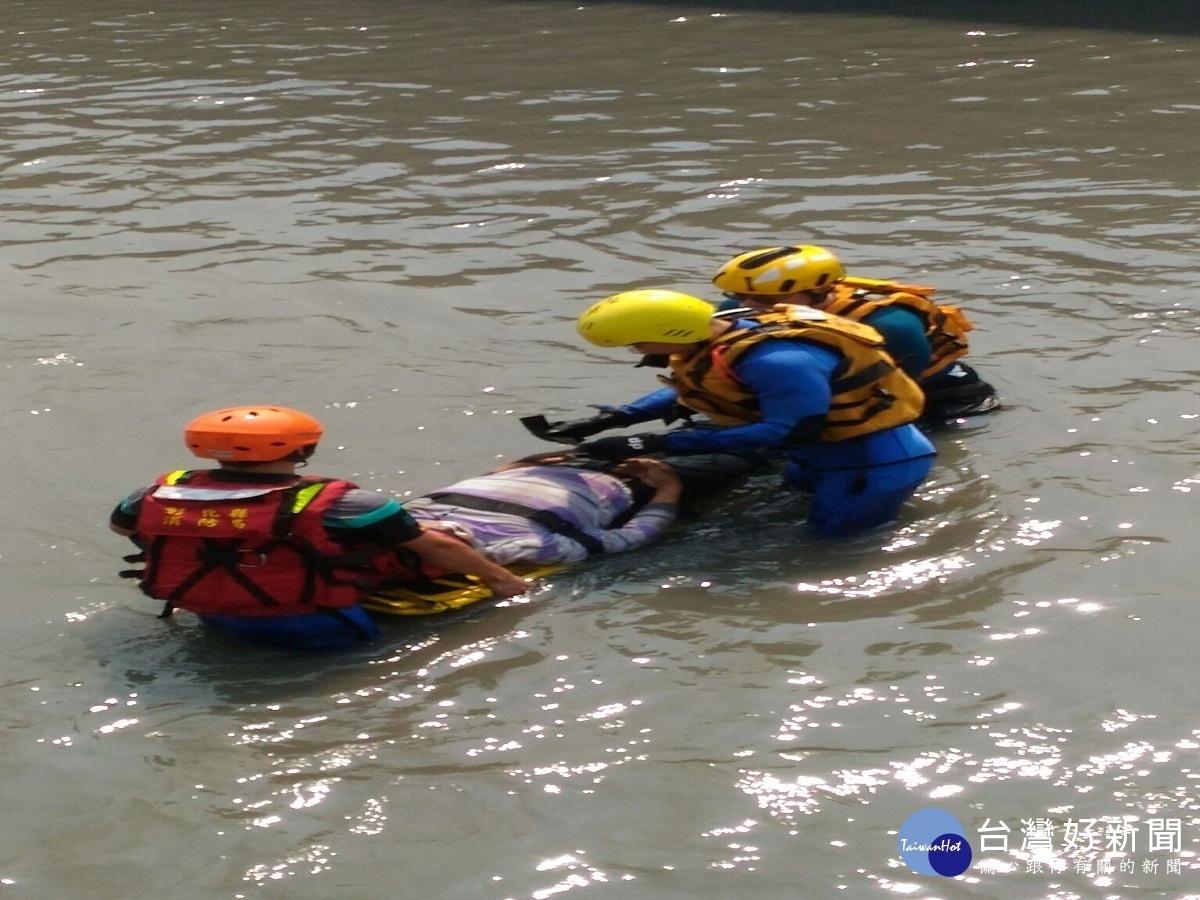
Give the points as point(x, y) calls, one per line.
point(548, 520)
point(873, 372)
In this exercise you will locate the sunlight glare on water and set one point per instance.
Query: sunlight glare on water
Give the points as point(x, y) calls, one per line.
point(390, 215)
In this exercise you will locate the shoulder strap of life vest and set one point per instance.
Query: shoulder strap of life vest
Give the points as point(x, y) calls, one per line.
point(882, 286)
point(551, 521)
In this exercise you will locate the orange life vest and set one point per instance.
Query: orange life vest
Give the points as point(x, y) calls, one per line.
point(946, 326)
point(871, 393)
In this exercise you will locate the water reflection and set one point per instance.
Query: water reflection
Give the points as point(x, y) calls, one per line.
point(386, 220)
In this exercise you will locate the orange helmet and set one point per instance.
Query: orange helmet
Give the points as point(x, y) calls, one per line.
point(251, 433)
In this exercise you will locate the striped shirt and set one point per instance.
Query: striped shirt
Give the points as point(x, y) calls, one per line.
point(589, 501)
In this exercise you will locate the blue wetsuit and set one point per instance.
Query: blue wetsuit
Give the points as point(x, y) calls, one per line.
point(857, 483)
point(903, 334)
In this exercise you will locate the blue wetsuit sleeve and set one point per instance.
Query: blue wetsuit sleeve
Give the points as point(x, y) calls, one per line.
point(904, 334)
point(651, 406)
point(791, 382)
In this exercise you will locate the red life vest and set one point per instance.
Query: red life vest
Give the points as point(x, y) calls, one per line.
point(247, 548)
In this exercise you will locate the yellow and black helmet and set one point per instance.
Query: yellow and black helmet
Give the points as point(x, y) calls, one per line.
point(775, 271)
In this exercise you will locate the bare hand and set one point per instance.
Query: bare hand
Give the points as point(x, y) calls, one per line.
point(508, 585)
point(653, 472)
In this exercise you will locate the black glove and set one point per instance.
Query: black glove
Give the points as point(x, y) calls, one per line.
point(615, 448)
point(578, 429)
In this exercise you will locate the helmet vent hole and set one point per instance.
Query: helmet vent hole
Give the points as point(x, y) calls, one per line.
point(767, 257)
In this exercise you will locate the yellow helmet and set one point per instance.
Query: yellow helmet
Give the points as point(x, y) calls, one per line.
point(639, 317)
point(779, 270)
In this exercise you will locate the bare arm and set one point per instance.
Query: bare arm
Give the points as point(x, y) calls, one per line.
point(652, 519)
point(453, 555)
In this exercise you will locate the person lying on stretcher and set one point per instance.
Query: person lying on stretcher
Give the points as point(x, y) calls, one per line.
point(553, 508)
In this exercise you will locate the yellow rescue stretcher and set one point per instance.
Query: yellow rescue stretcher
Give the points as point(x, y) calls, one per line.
point(447, 592)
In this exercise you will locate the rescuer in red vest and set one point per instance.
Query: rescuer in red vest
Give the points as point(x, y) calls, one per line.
point(259, 551)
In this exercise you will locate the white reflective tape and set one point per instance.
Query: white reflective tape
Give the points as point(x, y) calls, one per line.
point(182, 492)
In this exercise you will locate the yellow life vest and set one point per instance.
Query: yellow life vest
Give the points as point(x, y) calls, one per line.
point(869, 394)
point(946, 327)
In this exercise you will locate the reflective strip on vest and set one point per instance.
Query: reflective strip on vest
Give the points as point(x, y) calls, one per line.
point(172, 490)
point(182, 492)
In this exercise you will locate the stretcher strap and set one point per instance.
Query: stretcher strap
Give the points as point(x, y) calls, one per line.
point(548, 520)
